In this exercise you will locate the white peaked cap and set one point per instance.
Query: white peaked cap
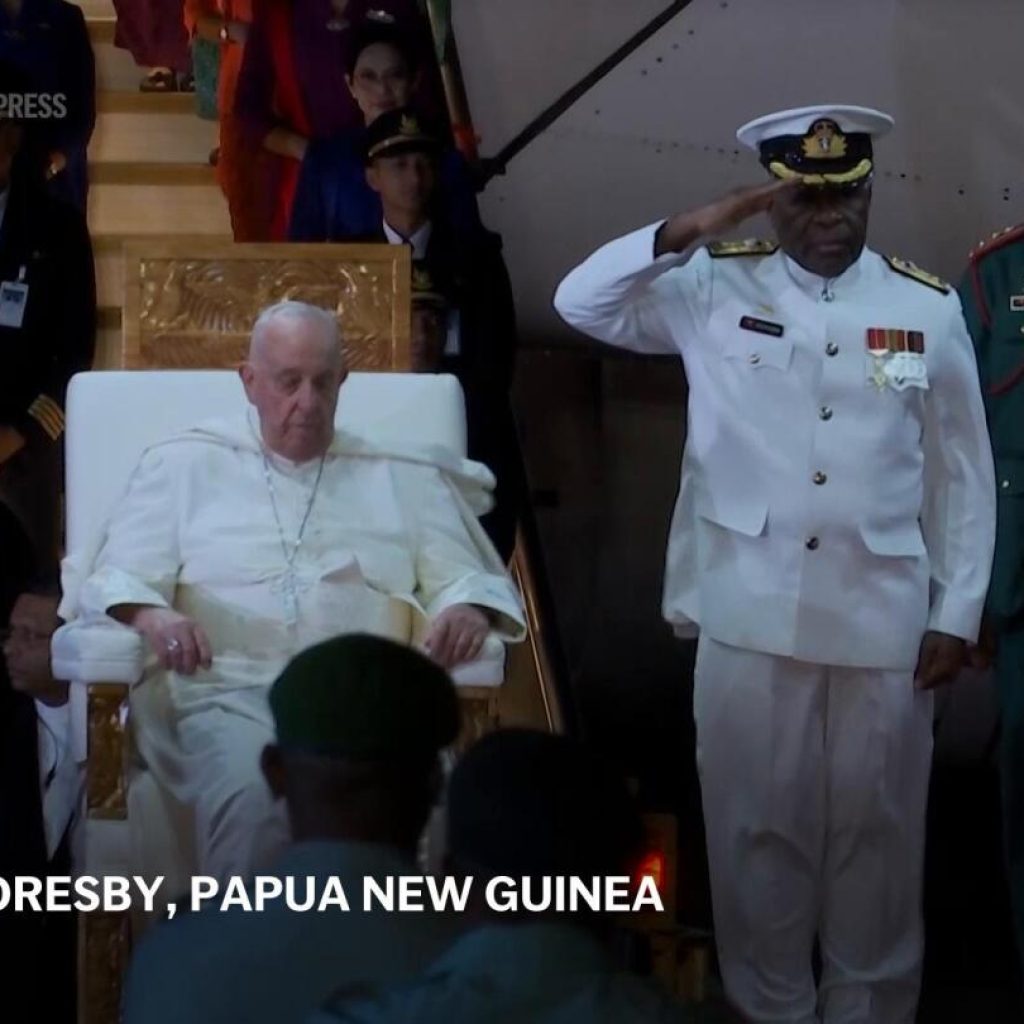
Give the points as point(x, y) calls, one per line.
point(799, 120)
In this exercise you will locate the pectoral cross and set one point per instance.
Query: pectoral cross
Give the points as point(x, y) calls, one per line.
point(289, 586)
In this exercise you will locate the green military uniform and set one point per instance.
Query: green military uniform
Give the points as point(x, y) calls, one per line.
point(993, 299)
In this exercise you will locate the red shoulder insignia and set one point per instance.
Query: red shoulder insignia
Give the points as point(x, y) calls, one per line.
point(997, 241)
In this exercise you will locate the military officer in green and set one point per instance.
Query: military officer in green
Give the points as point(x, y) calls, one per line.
point(992, 293)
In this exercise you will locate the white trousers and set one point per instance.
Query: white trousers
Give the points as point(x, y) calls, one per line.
point(239, 828)
point(814, 784)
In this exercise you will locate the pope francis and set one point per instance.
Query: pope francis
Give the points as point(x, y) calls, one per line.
point(241, 542)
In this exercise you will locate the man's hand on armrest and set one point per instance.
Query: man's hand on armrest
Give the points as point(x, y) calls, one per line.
point(179, 642)
point(457, 635)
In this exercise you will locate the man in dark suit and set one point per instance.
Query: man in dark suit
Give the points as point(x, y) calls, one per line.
point(466, 266)
point(47, 333)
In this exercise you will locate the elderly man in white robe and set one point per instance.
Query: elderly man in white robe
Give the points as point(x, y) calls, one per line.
point(244, 541)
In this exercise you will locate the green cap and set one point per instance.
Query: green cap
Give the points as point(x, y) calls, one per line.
point(365, 697)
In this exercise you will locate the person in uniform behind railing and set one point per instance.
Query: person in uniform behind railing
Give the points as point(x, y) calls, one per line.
point(467, 267)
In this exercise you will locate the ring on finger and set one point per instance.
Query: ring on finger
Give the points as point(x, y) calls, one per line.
point(173, 646)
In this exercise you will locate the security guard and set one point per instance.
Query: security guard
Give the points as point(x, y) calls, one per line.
point(992, 292)
point(832, 541)
point(466, 263)
point(359, 724)
point(430, 312)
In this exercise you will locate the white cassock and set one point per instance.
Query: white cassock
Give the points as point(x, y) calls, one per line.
point(836, 500)
point(391, 538)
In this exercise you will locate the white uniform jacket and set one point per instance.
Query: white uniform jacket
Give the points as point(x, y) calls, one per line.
point(834, 503)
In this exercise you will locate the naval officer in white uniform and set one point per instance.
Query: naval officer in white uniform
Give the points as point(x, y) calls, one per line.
point(831, 542)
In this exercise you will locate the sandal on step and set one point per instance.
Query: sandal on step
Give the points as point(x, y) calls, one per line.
point(159, 80)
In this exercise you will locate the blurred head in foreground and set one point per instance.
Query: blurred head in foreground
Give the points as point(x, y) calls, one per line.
point(526, 804)
point(360, 722)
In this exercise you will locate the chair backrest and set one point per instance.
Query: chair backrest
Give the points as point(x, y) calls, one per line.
point(190, 303)
point(112, 417)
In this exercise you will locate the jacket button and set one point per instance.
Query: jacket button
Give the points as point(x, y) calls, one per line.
point(831, 349)
point(819, 478)
point(1005, 484)
point(812, 544)
point(825, 413)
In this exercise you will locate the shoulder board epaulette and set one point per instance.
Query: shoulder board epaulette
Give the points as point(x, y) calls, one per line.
point(749, 247)
point(997, 241)
point(911, 270)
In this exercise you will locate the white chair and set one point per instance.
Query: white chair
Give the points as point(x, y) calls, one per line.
point(111, 418)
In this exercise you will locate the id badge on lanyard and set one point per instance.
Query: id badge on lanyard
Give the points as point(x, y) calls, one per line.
point(13, 300)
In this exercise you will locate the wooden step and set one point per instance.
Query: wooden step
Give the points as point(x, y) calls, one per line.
point(144, 172)
point(107, 257)
point(96, 8)
point(101, 28)
point(116, 69)
point(150, 134)
point(154, 103)
point(154, 199)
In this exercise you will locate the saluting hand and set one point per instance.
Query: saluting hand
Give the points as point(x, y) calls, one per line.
point(457, 635)
point(685, 229)
point(941, 658)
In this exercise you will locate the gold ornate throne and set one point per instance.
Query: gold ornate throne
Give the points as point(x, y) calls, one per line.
point(190, 304)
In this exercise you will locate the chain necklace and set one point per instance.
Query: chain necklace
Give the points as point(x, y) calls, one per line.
point(290, 587)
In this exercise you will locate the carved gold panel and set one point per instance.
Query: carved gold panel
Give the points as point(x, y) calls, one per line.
point(190, 303)
point(104, 945)
point(105, 776)
point(478, 706)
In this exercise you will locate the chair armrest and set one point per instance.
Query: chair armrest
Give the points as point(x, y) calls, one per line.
point(97, 651)
point(487, 670)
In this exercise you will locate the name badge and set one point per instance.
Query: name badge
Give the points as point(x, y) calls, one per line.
point(13, 300)
point(758, 326)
